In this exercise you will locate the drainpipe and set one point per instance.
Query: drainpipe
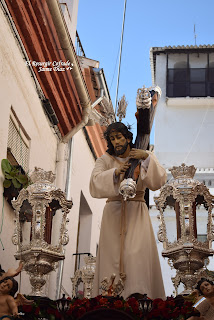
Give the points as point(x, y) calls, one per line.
point(67, 192)
point(69, 51)
point(82, 91)
point(70, 54)
point(85, 119)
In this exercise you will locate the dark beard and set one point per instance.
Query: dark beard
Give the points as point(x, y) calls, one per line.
point(122, 150)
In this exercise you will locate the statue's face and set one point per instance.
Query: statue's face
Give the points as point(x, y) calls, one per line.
point(6, 286)
point(207, 288)
point(119, 142)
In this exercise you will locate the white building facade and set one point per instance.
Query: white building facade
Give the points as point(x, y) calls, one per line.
point(30, 139)
point(184, 122)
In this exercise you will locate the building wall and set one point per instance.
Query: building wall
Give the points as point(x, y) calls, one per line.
point(167, 272)
point(46, 151)
point(70, 10)
point(183, 131)
point(82, 164)
point(183, 126)
point(18, 92)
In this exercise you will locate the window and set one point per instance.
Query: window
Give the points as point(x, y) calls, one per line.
point(190, 82)
point(18, 143)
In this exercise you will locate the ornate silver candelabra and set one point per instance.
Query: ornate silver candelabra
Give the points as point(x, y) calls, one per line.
point(40, 233)
point(188, 250)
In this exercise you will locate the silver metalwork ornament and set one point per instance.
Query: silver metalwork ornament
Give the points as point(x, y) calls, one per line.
point(122, 106)
point(187, 253)
point(40, 232)
point(105, 114)
point(143, 99)
point(86, 276)
point(128, 188)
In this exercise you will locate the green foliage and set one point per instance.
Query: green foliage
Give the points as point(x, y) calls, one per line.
point(13, 176)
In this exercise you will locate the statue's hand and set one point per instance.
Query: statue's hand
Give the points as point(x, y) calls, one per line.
point(122, 169)
point(138, 154)
point(14, 272)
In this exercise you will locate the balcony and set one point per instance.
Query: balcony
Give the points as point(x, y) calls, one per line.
point(78, 46)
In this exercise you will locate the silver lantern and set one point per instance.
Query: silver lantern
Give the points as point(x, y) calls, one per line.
point(128, 188)
point(186, 225)
point(40, 233)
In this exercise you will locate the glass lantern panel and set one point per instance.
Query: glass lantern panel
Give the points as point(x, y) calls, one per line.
point(201, 219)
point(53, 223)
point(25, 220)
point(170, 222)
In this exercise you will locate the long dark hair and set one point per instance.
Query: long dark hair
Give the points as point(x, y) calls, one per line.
point(119, 127)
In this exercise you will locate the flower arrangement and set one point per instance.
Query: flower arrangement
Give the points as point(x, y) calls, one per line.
point(171, 308)
point(40, 309)
point(79, 307)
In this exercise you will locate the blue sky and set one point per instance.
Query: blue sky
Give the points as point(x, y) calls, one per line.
point(148, 24)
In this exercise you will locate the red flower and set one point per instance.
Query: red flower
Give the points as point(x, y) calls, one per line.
point(153, 313)
point(161, 305)
point(51, 311)
point(71, 309)
point(184, 310)
point(37, 311)
point(27, 308)
point(175, 313)
point(156, 301)
point(166, 314)
point(98, 307)
point(98, 298)
point(103, 301)
point(126, 305)
point(170, 303)
point(81, 312)
point(118, 304)
point(132, 302)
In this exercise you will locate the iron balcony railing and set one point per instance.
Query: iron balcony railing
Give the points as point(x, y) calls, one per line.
point(78, 45)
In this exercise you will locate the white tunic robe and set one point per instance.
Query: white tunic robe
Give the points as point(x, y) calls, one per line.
point(141, 261)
